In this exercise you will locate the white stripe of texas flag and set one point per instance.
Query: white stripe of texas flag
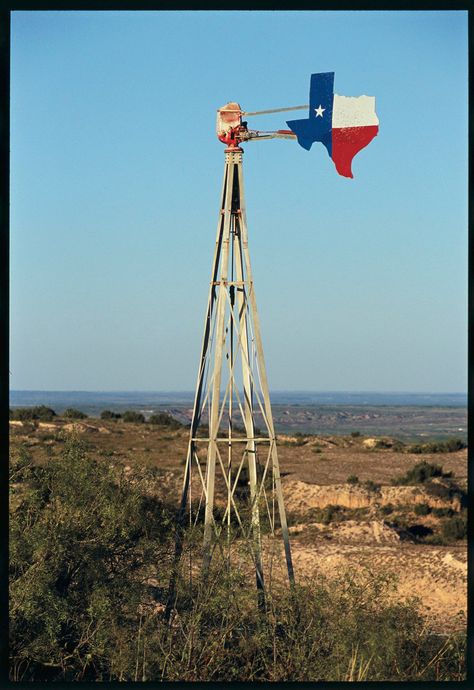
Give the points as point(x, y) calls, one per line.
point(353, 111)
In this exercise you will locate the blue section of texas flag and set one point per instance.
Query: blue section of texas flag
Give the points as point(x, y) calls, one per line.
point(318, 125)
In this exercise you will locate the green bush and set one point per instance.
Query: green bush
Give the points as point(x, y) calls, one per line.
point(328, 514)
point(383, 443)
point(442, 512)
point(450, 446)
point(38, 412)
point(355, 434)
point(446, 491)
point(133, 416)
point(454, 444)
point(352, 479)
point(386, 509)
point(108, 414)
point(422, 509)
point(331, 513)
point(398, 446)
point(419, 473)
point(81, 538)
point(71, 413)
point(165, 419)
point(371, 486)
point(454, 528)
point(399, 520)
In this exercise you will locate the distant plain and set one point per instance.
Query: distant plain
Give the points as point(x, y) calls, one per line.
point(408, 416)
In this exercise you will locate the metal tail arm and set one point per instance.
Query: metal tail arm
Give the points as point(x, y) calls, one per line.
point(254, 135)
point(275, 110)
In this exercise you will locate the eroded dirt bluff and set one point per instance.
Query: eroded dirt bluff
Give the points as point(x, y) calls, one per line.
point(301, 496)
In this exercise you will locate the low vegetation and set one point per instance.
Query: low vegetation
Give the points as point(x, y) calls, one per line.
point(321, 631)
point(454, 528)
point(328, 515)
point(133, 416)
point(450, 446)
point(437, 484)
point(46, 414)
point(108, 414)
point(371, 486)
point(80, 535)
point(383, 443)
point(38, 412)
point(449, 527)
point(91, 549)
point(420, 473)
point(71, 413)
point(90, 558)
point(165, 419)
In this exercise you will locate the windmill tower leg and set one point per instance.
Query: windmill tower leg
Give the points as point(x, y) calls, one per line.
point(231, 324)
point(264, 383)
point(246, 377)
point(214, 419)
point(198, 400)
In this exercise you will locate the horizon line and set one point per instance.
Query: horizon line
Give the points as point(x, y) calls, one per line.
point(273, 390)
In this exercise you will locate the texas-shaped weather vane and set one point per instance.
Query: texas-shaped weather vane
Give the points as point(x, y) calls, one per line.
point(232, 447)
point(343, 124)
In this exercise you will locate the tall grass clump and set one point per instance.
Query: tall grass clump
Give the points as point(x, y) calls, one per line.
point(351, 628)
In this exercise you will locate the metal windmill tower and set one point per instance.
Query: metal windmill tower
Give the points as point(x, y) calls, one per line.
point(225, 445)
point(232, 387)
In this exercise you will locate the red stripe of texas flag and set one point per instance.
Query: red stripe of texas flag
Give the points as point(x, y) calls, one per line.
point(346, 142)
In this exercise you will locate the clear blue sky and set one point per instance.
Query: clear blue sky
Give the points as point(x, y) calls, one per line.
point(115, 181)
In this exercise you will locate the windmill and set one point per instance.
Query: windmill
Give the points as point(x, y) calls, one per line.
point(235, 462)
